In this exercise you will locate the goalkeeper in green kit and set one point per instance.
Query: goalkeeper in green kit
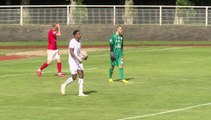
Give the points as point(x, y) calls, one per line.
point(116, 54)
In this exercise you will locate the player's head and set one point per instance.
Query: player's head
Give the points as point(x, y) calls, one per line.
point(55, 26)
point(119, 30)
point(77, 34)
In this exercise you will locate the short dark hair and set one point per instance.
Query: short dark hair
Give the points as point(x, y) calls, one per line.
point(75, 32)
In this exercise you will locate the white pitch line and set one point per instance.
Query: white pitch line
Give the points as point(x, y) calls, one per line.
point(166, 49)
point(12, 75)
point(149, 50)
point(86, 69)
point(91, 69)
point(21, 74)
point(165, 112)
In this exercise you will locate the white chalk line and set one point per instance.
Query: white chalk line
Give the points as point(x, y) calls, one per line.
point(166, 49)
point(12, 75)
point(165, 112)
point(148, 50)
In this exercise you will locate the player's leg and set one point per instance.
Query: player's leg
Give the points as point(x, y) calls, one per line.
point(121, 75)
point(73, 71)
point(46, 64)
point(111, 70)
point(59, 64)
point(39, 71)
point(81, 83)
point(80, 72)
point(121, 70)
point(59, 68)
point(67, 82)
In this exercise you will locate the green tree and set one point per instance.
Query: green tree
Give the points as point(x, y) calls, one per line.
point(184, 3)
point(25, 12)
point(201, 2)
point(183, 13)
point(78, 14)
point(129, 12)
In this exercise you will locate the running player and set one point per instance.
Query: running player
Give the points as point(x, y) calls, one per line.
point(75, 64)
point(116, 54)
point(52, 51)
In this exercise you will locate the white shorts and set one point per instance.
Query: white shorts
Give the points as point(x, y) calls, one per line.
point(53, 55)
point(75, 66)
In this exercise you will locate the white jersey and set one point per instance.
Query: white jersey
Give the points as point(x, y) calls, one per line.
point(74, 64)
point(76, 45)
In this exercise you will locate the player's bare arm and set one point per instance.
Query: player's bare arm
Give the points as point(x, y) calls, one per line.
point(73, 55)
point(58, 30)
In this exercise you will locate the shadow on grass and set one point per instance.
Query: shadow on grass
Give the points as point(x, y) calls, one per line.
point(90, 92)
point(128, 79)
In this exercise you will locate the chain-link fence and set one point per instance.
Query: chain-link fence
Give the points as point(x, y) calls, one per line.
point(106, 14)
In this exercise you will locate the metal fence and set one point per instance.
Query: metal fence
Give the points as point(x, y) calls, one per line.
point(106, 14)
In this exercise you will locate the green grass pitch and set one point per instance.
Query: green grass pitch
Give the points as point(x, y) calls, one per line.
point(166, 83)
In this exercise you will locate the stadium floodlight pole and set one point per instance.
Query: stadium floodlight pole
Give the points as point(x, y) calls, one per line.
point(206, 16)
point(114, 15)
point(160, 15)
point(21, 15)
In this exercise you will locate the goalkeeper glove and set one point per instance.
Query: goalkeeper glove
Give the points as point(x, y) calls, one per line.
point(112, 56)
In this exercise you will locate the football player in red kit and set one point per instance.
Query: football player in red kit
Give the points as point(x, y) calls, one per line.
point(52, 51)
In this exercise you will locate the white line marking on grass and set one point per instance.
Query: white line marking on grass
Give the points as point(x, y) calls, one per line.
point(91, 69)
point(148, 50)
point(166, 49)
point(86, 69)
point(21, 74)
point(12, 75)
point(165, 112)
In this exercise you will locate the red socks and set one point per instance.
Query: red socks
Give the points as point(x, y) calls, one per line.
point(44, 66)
point(59, 67)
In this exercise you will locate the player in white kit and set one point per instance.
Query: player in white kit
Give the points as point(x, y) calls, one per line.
point(75, 64)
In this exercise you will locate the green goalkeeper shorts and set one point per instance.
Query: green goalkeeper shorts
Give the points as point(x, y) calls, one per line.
point(117, 62)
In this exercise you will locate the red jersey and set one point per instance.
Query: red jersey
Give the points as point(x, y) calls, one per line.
point(52, 40)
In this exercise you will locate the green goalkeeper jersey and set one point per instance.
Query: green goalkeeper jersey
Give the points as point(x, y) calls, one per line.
point(116, 43)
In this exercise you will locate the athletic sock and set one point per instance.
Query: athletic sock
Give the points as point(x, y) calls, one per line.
point(68, 81)
point(121, 73)
point(43, 66)
point(111, 73)
point(59, 67)
point(81, 85)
